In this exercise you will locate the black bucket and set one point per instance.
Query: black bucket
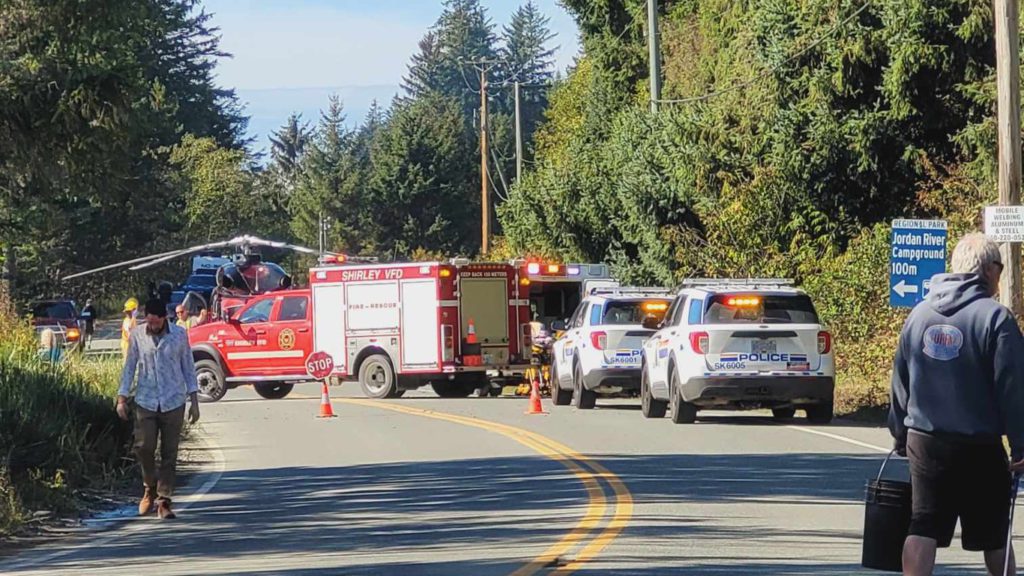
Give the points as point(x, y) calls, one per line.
point(887, 508)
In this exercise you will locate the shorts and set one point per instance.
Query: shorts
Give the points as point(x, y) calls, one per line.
point(957, 479)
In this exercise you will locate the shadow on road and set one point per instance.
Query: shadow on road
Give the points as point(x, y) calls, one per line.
point(489, 516)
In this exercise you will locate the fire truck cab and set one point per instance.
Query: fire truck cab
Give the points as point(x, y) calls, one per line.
point(391, 327)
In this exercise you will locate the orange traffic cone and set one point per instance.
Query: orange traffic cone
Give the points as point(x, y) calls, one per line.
point(472, 359)
point(535, 405)
point(326, 411)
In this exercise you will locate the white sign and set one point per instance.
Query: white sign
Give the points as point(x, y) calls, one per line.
point(373, 306)
point(920, 224)
point(1004, 223)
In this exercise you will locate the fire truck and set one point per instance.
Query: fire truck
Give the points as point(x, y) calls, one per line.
point(458, 326)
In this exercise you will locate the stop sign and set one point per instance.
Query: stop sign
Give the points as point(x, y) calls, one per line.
point(319, 365)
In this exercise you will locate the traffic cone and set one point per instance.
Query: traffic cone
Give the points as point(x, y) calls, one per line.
point(471, 341)
point(535, 405)
point(326, 411)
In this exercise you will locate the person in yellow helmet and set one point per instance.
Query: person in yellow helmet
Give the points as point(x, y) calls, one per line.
point(128, 323)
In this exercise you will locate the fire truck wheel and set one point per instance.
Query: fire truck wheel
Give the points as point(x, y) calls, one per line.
point(448, 389)
point(210, 378)
point(273, 391)
point(377, 377)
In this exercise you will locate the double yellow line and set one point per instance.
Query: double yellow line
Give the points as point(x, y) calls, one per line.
point(588, 471)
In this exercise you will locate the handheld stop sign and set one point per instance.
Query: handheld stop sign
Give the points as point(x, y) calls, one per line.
point(319, 365)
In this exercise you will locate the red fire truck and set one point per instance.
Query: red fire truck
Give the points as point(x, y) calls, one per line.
point(393, 327)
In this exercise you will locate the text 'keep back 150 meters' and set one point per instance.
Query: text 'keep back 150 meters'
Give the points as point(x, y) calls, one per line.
point(917, 252)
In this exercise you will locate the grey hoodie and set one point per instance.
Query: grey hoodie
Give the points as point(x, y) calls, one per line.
point(960, 366)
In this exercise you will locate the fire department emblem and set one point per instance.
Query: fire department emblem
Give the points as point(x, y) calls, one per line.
point(287, 339)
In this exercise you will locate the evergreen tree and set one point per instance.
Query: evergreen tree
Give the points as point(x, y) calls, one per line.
point(526, 56)
point(328, 186)
point(422, 189)
point(133, 74)
point(288, 144)
point(462, 34)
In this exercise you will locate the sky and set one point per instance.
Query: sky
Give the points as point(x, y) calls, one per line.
point(290, 55)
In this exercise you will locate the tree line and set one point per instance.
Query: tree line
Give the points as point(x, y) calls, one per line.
point(116, 141)
point(792, 134)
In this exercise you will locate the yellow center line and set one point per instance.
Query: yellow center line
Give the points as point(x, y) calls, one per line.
point(573, 461)
point(597, 502)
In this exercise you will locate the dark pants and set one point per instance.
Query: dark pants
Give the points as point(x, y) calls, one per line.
point(149, 426)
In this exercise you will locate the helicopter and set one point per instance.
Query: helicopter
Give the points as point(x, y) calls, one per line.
point(246, 275)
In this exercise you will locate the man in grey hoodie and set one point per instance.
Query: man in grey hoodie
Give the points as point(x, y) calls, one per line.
point(957, 389)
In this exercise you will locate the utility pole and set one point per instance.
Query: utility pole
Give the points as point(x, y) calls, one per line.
point(320, 232)
point(519, 137)
point(1008, 85)
point(655, 53)
point(485, 198)
point(483, 66)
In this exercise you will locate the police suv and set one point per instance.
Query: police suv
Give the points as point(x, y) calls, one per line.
point(739, 344)
point(600, 349)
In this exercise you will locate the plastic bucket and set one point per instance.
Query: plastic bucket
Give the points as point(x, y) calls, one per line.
point(887, 508)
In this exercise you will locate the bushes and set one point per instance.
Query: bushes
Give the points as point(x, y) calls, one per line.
point(58, 429)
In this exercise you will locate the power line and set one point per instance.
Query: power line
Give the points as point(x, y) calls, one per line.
point(839, 25)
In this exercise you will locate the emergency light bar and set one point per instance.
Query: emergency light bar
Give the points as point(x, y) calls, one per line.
point(629, 291)
point(736, 282)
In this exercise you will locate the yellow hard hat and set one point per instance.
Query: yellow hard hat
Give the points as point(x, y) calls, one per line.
point(131, 305)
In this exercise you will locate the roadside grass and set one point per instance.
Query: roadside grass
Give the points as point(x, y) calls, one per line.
point(60, 437)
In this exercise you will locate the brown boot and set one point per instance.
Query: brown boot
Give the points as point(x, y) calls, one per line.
point(146, 505)
point(163, 509)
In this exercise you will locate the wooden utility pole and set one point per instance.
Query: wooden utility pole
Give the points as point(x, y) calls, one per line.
point(519, 137)
point(485, 200)
point(655, 53)
point(1008, 85)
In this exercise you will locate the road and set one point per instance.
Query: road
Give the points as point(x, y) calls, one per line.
point(476, 487)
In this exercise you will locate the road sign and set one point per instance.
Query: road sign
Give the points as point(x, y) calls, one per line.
point(917, 253)
point(1004, 223)
point(319, 365)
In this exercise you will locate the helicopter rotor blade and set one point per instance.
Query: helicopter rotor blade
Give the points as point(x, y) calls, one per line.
point(254, 241)
point(237, 242)
point(183, 252)
point(120, 264)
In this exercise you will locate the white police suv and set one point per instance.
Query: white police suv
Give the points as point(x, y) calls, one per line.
point(739, 344)
point(600, 349)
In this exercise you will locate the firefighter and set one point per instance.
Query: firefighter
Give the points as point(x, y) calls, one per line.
point(128, 323)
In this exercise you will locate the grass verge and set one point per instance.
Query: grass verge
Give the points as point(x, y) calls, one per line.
point(59, 434)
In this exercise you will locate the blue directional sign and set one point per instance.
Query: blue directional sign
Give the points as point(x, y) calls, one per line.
point(918, 252)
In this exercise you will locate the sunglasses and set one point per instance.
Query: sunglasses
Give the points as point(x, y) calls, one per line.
point(998, 265)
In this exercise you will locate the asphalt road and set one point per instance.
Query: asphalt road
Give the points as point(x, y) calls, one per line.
point(476, 487)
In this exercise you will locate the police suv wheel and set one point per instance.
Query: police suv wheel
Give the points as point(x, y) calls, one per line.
point(210, 378)
point(582, 398)
point(783, 414)
point(559, 397)
point(377, 377)
point(682, 411)
point(821, 413)
point(650, 406)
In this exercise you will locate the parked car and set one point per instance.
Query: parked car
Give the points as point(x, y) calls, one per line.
point(61, 316)
point(739, 344)
point(600, 350)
